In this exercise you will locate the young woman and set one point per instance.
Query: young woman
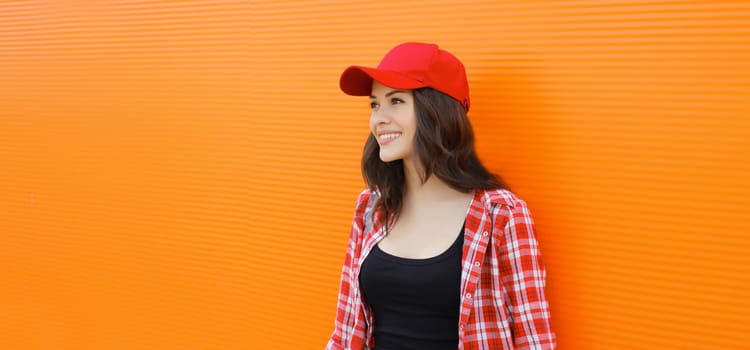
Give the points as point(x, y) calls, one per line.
point(441, 255)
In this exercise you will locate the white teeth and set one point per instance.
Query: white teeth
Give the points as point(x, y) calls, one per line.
point(386, 137)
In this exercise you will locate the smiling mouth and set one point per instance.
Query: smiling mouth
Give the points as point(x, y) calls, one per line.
point(385, 138)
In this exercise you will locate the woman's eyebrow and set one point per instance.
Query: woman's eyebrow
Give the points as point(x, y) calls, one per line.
point(391, 93)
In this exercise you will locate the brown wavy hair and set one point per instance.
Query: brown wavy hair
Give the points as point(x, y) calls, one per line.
point(444, 147)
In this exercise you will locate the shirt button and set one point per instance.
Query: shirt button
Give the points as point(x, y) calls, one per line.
point(476, 264)
point(462, 327)
point(468, 295)
point(485, 233)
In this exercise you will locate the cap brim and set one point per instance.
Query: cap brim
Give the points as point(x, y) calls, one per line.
point(357, 80)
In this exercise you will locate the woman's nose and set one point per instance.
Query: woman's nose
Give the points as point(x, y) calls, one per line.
point(379, 116)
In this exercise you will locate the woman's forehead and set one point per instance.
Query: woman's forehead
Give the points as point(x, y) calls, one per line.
point(379, 89)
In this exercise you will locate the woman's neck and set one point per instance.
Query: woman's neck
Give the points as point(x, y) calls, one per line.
point(434, 189)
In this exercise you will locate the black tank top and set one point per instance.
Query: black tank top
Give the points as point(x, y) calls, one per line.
point(415, 302)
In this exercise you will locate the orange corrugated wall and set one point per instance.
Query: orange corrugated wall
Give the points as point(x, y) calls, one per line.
point(181, 175)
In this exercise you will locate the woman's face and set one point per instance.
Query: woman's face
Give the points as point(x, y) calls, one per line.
point(393, 121)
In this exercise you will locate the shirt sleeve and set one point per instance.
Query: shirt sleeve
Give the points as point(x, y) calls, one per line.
point(343, 330)
point(523, 277)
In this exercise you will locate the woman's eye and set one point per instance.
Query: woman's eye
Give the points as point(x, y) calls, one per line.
point(373, 105)
point(396, 101)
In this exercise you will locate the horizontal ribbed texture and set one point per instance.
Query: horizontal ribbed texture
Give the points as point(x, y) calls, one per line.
point(123, 176)
point(182, 175)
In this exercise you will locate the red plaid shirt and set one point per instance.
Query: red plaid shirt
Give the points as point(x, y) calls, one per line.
point(503, 305)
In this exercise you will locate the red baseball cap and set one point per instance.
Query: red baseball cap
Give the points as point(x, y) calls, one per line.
point(411, 66)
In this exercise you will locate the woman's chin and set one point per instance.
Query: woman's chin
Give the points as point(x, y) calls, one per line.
point(387, 158)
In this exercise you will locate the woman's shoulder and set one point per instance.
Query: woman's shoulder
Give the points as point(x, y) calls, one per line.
point(366, 196)
point(366, 200)
point(501, 196)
